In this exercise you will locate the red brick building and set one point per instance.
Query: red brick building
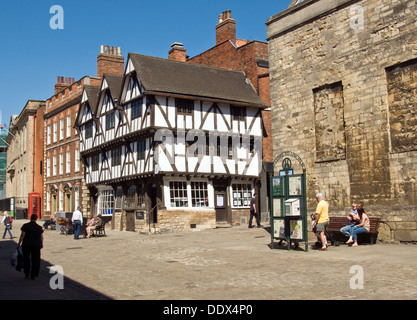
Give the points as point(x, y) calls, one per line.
point(64, 186)
point(251, 57)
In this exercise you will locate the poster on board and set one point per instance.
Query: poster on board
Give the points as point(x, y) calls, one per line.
point(295, 186)
point(277, 186)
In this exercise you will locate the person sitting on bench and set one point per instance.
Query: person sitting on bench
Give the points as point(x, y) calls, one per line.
point(363, 226)
point(97, 222)
point(50, 222)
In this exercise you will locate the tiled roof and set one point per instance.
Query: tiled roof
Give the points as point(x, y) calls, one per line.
point(115, 84)
point(92, 95)
point(164, 76)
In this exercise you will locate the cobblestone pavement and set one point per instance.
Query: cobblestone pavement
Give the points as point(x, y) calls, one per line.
point(234, 263)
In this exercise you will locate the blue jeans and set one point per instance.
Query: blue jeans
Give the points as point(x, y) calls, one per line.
point(347, 230)
point(77, 227)
point(355, 231)
point(7, 229)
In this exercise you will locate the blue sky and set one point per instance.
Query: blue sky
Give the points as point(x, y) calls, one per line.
point(32, 54)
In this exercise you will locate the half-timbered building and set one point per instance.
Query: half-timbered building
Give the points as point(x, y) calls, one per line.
point(176, 146)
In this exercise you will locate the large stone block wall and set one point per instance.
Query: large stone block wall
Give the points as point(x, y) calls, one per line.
point(186, 220)
point(343, 97)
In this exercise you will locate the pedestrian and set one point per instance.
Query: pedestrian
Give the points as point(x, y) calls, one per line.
point(254, 212)
point(77, 220)
point(322, 220)
point(50, 222)
point(363, 226)
point(7, 224)
point(31, 240)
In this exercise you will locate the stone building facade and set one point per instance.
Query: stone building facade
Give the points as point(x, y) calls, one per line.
point(343, 95)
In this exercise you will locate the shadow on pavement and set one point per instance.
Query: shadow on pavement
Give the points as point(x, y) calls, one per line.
point(14, 286)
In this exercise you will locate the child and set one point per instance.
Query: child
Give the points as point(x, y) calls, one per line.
point(353, 215)
point(353, 219)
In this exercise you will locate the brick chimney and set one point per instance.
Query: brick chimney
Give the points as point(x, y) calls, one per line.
point(62, 82)
point(110, 60)
point(226, 28)
point(177, 52)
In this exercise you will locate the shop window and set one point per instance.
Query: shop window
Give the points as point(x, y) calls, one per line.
point(241, 194)
point(178, 193)
point(106, 202)
point(199, 194)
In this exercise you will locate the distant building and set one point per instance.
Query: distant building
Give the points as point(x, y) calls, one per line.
point(25, 155)
point(343, 97)
point(3, 163)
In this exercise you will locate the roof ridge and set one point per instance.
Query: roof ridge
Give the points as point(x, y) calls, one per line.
point(188, 63)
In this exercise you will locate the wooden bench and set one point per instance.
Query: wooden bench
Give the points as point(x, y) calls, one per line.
point(336, 223)
point(101, 229)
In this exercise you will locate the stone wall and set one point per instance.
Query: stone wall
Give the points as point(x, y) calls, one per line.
point(343, 97)
point(186, 220)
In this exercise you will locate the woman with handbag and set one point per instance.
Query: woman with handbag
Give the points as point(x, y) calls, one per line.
point(31, 240)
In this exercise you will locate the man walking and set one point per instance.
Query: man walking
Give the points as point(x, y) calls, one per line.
point(322, 220)
point(77, 220)
point(254, 212)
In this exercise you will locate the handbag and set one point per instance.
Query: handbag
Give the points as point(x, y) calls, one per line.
point(17, 260)
point(13, 259)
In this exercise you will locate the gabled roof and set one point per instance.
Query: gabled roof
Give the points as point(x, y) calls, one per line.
point(114, 83)
point(169, 77)
point(114, 87)
point(92, 98)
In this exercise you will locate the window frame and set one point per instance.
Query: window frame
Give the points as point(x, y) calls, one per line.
point(184, 106)
point(136, 109)
point(116, 154)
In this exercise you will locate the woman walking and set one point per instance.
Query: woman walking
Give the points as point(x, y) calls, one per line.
point(31, 240)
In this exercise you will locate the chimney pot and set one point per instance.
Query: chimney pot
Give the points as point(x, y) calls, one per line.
point(177, 45)
point(110, 60)
point(226, 28)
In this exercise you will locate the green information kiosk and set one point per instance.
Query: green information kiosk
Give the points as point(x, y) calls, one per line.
point(288, 202)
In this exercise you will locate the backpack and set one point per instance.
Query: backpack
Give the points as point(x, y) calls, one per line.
point(7, 221)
